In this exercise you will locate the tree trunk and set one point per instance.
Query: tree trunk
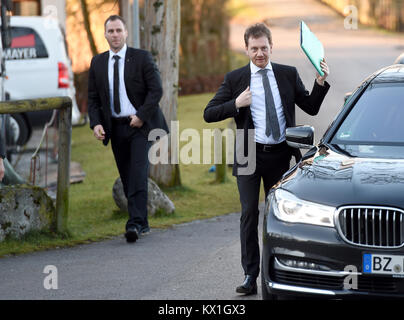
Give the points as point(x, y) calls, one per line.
point(161, 38)
point(87, 25)
point(125, 11)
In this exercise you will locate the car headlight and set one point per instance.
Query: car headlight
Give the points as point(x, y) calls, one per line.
point(290, 208)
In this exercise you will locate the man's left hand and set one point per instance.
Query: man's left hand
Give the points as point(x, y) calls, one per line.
point(326, 70)
point(136, 122)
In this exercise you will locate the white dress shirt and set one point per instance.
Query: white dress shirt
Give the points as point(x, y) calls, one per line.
point(258, 110)
point(127, 108)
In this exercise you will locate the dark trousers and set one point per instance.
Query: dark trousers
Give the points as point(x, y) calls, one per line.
point(270, 166)
point(130, 148)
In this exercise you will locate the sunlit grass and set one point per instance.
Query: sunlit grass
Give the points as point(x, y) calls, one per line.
point(93, 214)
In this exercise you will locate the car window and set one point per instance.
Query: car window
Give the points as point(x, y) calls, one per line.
point(375, 122)
point(25, 44)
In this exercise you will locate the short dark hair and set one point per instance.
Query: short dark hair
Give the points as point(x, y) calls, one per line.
point(113, 18)
point(256, 31)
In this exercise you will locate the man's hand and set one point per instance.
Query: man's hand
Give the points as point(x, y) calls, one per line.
point(324, 68)
point(244, 99)
point(2, 170)
point(99, 132)
point(136, 122)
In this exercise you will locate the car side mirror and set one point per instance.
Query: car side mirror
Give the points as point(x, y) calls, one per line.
point(300, 137)
point(347, 96)
point(400, 59)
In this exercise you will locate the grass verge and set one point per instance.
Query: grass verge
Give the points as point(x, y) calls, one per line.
point(93, 214)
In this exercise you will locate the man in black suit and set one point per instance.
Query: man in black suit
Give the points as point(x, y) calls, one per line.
point(124, 90)
point(261, 97)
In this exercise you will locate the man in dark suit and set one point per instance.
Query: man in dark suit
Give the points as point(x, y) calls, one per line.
point(261, 97)
point(124, 90)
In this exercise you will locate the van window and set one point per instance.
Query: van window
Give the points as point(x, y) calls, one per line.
point(25, 44)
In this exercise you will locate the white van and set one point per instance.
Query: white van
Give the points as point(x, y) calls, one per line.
point(37, 66)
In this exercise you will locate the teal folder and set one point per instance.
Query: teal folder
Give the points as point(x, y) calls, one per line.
point(311, 46)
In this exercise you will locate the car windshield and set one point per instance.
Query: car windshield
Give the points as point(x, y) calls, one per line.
point(375, 125)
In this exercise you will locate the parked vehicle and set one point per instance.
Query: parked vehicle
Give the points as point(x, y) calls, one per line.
point(38, 66)
point(334, 224)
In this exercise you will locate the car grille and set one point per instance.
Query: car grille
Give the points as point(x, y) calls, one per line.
point(377, 227)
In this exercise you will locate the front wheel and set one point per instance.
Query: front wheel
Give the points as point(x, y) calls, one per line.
point(18, 132)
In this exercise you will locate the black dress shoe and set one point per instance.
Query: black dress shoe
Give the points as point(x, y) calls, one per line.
point(132, 234)
point(249, 286)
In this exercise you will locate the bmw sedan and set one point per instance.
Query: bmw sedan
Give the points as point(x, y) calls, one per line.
point(333, 225)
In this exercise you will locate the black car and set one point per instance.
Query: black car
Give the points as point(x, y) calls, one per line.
point(333, 225)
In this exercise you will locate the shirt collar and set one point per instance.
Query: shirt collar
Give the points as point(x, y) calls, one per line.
point(121, 53)
point(255, 69)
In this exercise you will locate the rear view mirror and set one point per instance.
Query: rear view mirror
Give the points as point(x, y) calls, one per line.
point(300, 137)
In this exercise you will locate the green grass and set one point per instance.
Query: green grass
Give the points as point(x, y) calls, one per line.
point(93, 214)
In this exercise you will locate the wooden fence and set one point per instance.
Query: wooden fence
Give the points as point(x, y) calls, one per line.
point(64, 105)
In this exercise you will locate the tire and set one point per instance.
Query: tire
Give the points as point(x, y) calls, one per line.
point(18, 132)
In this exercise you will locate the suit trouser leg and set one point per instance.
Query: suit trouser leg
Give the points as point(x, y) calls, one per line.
point(130, 148)
point(275, 167)
point(270, 167)
point(249, 187)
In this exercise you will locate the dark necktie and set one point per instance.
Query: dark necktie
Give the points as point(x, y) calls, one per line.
point(117, 103)
point(272, 124)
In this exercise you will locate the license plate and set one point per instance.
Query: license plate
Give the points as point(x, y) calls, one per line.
point(383, 264)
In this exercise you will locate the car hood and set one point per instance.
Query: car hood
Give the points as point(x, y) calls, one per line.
point(335, 179)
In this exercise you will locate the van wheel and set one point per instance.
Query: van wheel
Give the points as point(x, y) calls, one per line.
point(17, 130)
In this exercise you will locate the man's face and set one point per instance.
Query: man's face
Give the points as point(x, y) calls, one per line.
point(258, 50)
point(116, 34)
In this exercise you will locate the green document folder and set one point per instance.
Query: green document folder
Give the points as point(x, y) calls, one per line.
point(312, 47)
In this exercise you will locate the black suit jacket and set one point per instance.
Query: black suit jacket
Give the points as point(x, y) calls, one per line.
point(143, 87)
point(291, 89)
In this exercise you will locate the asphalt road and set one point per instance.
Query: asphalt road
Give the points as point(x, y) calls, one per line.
point(201, 260)
point(198, 260)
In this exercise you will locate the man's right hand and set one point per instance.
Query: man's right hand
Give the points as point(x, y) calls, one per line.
point(99, 132)
point(244, 99)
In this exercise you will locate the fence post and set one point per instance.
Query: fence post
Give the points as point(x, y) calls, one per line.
point(64, 104)
point(63, 180)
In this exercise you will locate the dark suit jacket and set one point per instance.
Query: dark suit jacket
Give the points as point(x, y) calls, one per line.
point(291, 89)
point(143, 87)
